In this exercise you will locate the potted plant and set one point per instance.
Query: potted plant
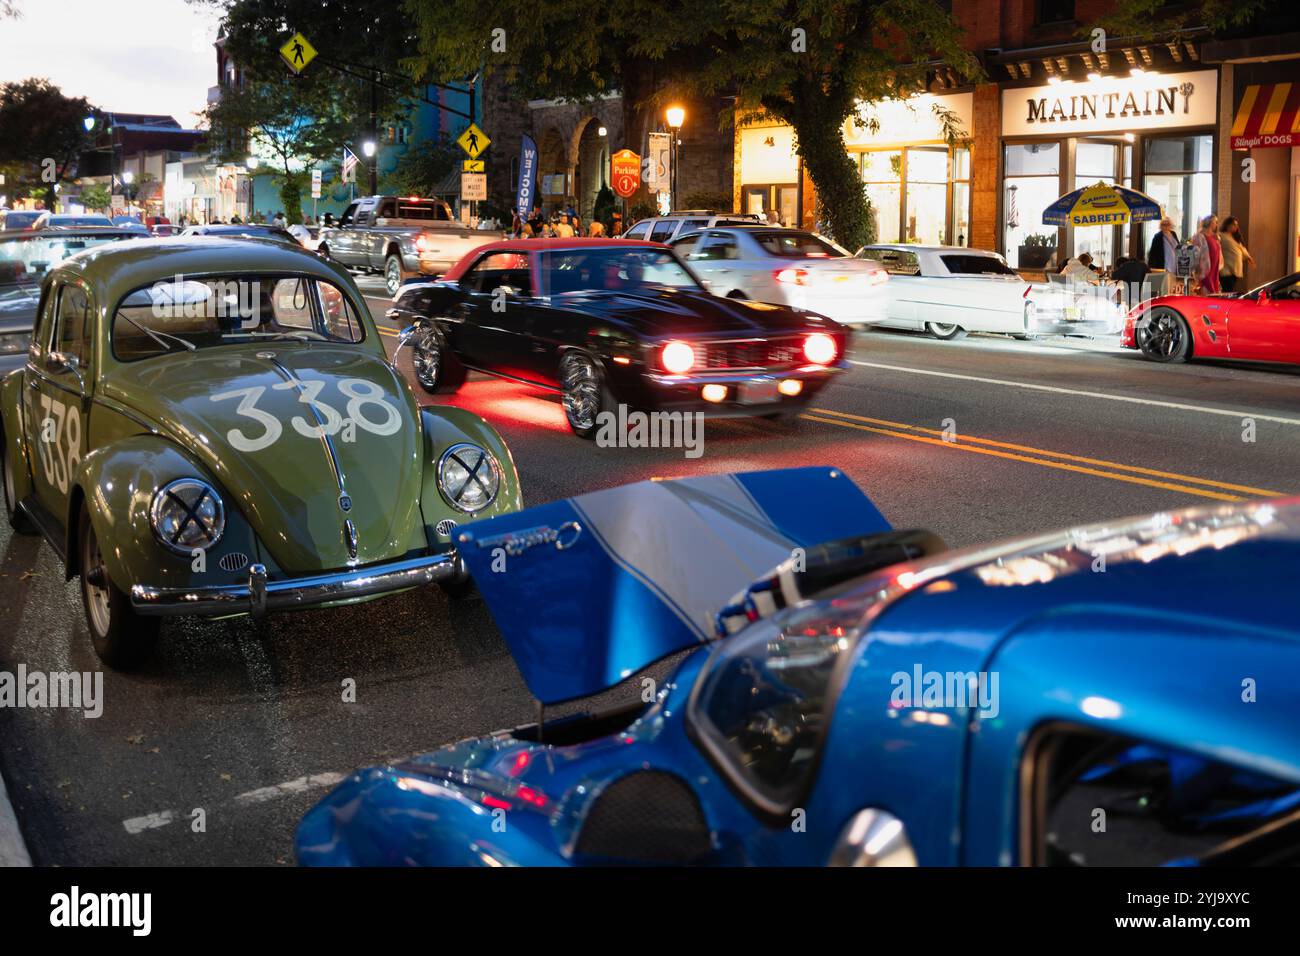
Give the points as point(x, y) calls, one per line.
point(1036, 251)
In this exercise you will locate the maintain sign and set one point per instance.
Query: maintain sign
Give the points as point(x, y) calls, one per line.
point(1147, 101)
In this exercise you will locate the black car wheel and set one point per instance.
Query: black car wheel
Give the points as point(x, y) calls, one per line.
point(392, 274)
point(945, 331)
point(17, 519)
point(1163, 336)
point(585, 393)
point(121, 637)
point(436, 369)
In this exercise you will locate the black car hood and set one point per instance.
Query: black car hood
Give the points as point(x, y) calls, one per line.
point(661, 311)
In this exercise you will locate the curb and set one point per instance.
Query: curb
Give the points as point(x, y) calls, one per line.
point(13, 851)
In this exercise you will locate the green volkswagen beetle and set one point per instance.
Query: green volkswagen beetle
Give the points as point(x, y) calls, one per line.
point(212, 427)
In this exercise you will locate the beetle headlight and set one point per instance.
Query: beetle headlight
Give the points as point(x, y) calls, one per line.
point(468, 477)
point(187, 514)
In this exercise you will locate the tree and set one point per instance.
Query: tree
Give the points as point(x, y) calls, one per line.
point(95, 197)
point(807, 63)
point(1157, 19)
point(44, 134)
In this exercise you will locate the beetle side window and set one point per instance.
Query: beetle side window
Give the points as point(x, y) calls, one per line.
point(72, 337)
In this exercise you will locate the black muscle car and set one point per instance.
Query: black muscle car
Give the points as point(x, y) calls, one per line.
point(608, 322)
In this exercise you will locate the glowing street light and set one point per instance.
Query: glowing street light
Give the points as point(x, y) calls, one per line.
point(89, 123)
point(368, 148)
point(676, 116)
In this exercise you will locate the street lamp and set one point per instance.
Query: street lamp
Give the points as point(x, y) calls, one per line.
point(368, 149)
point(676, 116)
point(89, 123)
point(251, 163)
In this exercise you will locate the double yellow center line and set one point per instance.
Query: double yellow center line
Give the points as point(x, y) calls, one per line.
point(1098, 467)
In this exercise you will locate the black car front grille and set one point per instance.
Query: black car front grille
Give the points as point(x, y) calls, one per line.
point(750, 354)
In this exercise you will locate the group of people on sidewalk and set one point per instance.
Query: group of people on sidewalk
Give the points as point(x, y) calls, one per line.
point(1219, 257)
point(564, 224)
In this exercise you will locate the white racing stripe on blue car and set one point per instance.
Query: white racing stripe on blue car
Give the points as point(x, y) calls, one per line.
point(708, 538)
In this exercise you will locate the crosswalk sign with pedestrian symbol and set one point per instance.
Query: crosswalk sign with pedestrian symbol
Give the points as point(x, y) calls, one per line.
point(473, 141)
point(297, 52)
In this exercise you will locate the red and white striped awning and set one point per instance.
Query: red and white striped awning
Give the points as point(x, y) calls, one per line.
point(1269, 115)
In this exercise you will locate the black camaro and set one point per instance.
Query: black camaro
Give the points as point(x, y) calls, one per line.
point(608, 322)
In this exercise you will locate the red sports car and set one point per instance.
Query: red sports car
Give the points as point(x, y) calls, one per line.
point(1262, 325)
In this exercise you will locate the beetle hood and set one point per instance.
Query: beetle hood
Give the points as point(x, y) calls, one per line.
point(598, 586)
point(252, 415)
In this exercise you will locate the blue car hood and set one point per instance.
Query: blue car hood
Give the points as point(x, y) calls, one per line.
point(591, 589)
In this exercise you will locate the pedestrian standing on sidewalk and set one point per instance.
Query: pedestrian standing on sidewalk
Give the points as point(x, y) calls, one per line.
point(1209, 257)
point(1164, 247)
point(596, 230)
point(1235, 254)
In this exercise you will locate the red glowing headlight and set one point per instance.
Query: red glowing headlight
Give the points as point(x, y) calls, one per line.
point(820, 348)
point(678, 357)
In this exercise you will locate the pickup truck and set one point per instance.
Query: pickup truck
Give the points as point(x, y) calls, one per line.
point(399, 236)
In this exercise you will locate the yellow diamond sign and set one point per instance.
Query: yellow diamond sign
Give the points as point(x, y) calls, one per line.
point(297, 52)
point(473, 141)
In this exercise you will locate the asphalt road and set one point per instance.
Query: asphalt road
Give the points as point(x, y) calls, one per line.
point(246, 722)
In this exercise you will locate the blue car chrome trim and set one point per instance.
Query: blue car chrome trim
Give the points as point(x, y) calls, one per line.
point(260, 594)
point(516, 543)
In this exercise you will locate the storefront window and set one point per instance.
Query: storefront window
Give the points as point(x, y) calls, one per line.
point(1178, 176)
point(882, 173)
point(1095, 162)
point(960, 197)
point(1033, 182)
point(925, 217)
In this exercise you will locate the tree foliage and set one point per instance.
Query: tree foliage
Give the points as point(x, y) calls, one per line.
point(1222, 18)
point(43, 135)
point(422, 167)
point(807, 63)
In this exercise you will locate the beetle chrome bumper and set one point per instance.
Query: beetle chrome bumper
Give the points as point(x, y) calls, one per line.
point(260, 595)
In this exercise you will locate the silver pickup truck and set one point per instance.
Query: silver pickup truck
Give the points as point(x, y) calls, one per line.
point(399, 236)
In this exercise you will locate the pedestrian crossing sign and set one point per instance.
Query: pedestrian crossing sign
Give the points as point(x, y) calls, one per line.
point(297, 52)
point(473, 141)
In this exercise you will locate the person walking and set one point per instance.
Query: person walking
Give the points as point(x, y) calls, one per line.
point(1235, 254)
point(1209, 257)
point(1163, 253)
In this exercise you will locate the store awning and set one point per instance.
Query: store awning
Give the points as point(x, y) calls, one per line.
point(1269, 115)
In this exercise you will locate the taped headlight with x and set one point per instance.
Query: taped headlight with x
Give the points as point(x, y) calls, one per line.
point(468, 477)
point(188, 514)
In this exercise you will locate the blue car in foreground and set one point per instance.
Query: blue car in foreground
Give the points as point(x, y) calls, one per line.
point(850, 694)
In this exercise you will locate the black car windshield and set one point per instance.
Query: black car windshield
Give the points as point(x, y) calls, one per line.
point(187, 314)
point(612, 268)
point(962, 264)
point(796, 245)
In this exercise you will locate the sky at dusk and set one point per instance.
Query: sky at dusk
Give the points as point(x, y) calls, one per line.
point(129, 56)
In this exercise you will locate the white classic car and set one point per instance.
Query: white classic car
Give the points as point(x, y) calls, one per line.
point(789, 267)
point(951, 290)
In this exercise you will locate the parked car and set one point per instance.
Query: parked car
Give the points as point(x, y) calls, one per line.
point(787, 267)
point(14, 219)
point(667, 228)
point(1262, 325)
point(400, 236)
point(245, 230)
point(164, 229)
point(948, 291)
point(613, 321)
point(213, 428)
point(873, 700)
point(26, 257)
point(59, 220)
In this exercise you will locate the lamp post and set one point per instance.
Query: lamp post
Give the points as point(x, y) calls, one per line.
point(251, 163)
point(368, 149)
point(676, 116)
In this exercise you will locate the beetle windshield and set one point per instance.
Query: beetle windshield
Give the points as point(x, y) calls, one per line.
point(193, 313)
point(614, 269)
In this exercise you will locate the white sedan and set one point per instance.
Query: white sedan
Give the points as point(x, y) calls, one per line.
point(951, 290)
point(788, 267)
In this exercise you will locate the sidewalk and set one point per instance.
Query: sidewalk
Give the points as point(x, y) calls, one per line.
point(13, 851)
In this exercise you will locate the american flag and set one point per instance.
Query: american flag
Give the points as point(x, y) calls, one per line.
point(350, 163)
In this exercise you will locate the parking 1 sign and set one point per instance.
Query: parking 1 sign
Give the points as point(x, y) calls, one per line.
point(625, 172)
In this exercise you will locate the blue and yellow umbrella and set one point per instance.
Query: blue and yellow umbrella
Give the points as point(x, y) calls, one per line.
point(1101, 204)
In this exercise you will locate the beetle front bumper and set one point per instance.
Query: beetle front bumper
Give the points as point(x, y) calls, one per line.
point(260, 595)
